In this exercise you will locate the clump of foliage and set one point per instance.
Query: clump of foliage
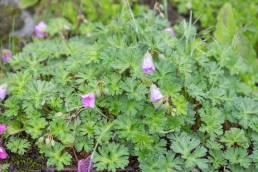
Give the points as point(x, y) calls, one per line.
point(75, 14)
point(207, 120)
point(245, 14)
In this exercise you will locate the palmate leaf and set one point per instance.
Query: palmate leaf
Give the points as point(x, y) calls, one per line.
point(128, 126)
point(158, 162)
point(84, 144)
point(156, 149)
point(40, 92)
point(246, 110)
point(156, 121)
point(35, 126)
point(57, 25)
point(57, 156)
point(254, 157)
point(216, 159)
point(212, 120)
point(18, 145)
point(190, 150)
point(60, 129)
point(126, 59)
point(111, 157)
point(238, 156)
point(181, 105)
point(114, 84)
point(12, 107)
point(235, 136)
point(135, 89)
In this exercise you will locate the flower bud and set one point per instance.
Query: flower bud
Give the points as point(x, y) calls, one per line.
point(155, 94)
point(3, 91)
point(147, 64)
point(170, 31)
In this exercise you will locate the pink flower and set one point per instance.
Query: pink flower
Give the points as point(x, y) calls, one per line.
point(3, 127)
point(147, 64)
point(3, 91)
point(155, 94)
point(3, 153)
point(6, 55)
point(88, 100)
point(40, 30)
point(170, 31)
point(85, 165)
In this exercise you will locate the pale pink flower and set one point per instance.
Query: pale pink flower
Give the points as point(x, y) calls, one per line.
point(85, 165)
point(40, 30)
point(3, 91)
point(88, 100)
point(3, 153)
point(155, 94)
point(147, 64)
point(3, 127)
point(6, 55)
point(170, 31)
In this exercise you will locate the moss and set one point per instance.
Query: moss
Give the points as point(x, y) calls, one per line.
point(28, 162)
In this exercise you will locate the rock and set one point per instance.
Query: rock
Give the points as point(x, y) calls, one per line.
point(10, 17)
point(14, 21)
point(27, 29)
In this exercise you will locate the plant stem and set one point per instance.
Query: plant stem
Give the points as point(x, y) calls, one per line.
point(132, 15)
point(74, 152)
point(100, 137)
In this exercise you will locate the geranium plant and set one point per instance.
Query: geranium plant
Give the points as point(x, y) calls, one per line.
point(132, 90)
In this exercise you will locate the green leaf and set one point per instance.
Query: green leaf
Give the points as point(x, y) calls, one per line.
point(216, 159)
point(254, 157)
point(181, 104)
point(27, 3)
point(57, 26)
point(227, 32)
point(226, 26)
point(238, 156)
point(212, 121)
point(35, 126)
point(18, 145)
point(58, 157)
point(190, 150)
point(164, 163)
point(111, 157)
point(245, 110)
point(14, 127)
point(235, 136)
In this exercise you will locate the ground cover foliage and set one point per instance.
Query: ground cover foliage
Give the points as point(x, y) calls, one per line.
point(206, 121)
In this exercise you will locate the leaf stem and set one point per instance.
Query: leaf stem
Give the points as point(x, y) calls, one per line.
point(132, 15)
point(100, 137)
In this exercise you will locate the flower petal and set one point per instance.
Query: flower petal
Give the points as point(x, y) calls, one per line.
point(88, 100)
point(3, 153)
point(6, 55)
point(85, 165)
point(3, 127)
point(147, 64)
point(155, 94)
point(3, 91)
